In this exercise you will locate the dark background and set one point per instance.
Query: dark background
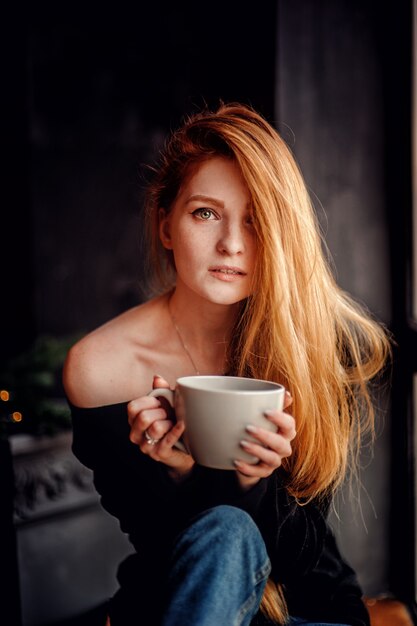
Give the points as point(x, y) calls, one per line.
point(93, 96)
point(89, 96)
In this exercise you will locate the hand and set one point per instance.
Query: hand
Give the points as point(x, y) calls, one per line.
point(271, 449)
point(147, 414)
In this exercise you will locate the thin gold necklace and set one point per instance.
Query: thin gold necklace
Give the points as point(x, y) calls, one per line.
point(184, 345)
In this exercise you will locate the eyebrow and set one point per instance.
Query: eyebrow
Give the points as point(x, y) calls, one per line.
point(202, 198)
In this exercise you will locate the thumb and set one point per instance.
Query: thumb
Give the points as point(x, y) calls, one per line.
point(288, 400)
point(159, 382)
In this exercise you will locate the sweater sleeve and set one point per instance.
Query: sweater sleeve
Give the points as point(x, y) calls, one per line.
point(137, 490)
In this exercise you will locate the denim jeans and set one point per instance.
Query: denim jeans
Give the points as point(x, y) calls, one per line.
point(218, 572)
point(215, 577)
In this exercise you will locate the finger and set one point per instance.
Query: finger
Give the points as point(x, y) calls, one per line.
point(173, 435)
point(288, 400)
point(257, 470)
point(280, 448)
point(159, 382)
point(140, 404)
point(159, 428)
point(275, 441)
point(284, 421)
point(146, 420)
point(148, 417)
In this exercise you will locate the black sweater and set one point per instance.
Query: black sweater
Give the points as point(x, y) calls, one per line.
point(152, 509)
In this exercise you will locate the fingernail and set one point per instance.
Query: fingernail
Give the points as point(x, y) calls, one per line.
point(237, 463)
point(244, 443)
point(288, 394)
point(157, 376)
point(252, 429)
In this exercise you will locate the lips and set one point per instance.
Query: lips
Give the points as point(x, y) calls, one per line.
point(226, 270)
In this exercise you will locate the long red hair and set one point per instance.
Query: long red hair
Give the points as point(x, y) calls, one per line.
point(298, 328)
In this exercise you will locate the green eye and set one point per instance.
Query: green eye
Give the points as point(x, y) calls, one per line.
point(204, 214)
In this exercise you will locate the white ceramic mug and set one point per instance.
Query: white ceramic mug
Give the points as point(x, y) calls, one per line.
point(216, 411)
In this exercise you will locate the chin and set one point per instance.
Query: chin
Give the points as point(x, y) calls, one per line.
point(225, 294)
point(225, 299)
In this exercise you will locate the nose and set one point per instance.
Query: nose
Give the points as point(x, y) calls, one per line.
point(232, 239)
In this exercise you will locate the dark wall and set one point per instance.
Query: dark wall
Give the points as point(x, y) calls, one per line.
point(330, 96)
point(101, 91)
point(342, 104)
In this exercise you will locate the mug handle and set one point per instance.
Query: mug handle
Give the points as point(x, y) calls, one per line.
point(168, 394)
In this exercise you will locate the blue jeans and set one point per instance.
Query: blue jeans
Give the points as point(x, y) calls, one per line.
point(218, 572)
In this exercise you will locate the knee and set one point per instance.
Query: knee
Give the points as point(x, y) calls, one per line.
point(227, 535)
point(228, 525)
point(230, 519)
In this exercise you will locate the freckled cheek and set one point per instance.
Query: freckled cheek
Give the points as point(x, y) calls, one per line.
point(190, 252)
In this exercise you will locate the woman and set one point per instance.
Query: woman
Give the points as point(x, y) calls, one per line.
point(246, 291)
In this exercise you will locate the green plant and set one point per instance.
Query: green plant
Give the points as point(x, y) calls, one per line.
point(32, 398)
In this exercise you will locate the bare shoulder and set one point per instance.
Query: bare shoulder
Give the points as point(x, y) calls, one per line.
point(111, 364)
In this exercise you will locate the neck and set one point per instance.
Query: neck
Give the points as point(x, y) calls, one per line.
point(204, 329)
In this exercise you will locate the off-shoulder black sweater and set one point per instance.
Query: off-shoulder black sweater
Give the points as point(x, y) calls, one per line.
point(152, 509)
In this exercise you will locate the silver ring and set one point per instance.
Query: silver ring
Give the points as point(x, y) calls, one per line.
point(150, 439)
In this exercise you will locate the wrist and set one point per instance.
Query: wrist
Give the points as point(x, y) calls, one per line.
point(179, 474)
point(246, 482)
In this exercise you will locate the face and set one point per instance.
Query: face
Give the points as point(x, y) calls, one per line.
point(210, 232)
